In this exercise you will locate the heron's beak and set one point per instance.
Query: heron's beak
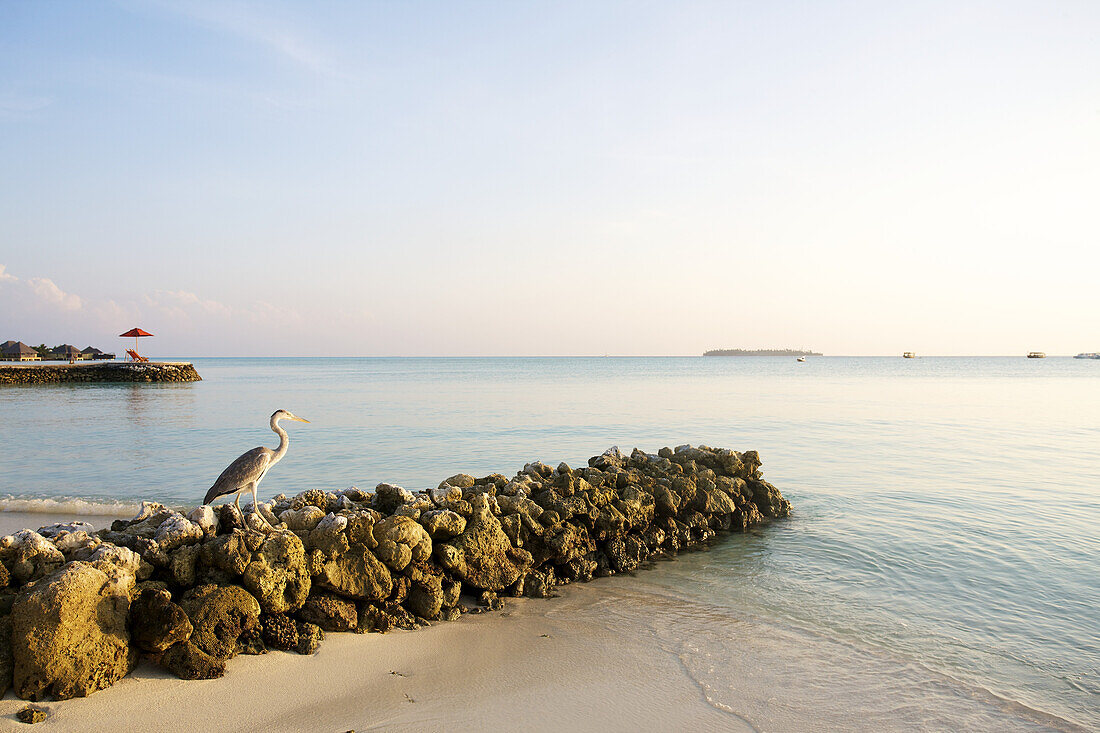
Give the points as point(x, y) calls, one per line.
point(299, 419)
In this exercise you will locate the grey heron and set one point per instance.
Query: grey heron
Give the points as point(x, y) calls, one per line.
point(245, 473)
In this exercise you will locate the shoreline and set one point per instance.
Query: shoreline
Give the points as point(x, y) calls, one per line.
point(190, 593)
point(609, 656)
point(522, 667)
point(667, 650)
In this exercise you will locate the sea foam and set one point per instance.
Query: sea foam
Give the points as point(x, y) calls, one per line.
point(68, 506)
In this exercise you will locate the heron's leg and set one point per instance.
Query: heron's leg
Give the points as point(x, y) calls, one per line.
point(237, 501)
point(256, 504)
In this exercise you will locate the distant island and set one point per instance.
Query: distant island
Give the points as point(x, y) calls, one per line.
point(760, 352)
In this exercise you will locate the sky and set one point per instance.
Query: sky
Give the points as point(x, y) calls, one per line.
point(551, 178)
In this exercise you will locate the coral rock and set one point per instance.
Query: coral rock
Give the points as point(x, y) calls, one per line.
point(329, 535)
point(228, 553)
point(177, 530)
point(397, 557)
point(5, 654)
point(356, 574)
point(302, 520)
point(482, 555)
point(188, 662)
point(405, 531)
point(312, 497)
point(310, 637)
point(30, 556)
point(387, 497)
point(69, 635)
point(31, 715)
point(220, 615)
point(425, 597)
point(279, 632)
point(330, 612)
point(156, 622)
point(443, 524)
point(205, 517)
point(278, 575)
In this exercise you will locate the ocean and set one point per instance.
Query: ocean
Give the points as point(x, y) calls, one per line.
point(941, 569)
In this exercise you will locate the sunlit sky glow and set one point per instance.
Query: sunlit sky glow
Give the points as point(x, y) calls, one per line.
point(551, 178)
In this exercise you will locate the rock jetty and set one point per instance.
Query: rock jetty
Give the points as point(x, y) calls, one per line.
point(124, 371)
point(191, 590)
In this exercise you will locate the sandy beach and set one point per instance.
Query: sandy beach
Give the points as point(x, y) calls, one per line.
point(537, 665)
point(516, 669)
point(643, 651)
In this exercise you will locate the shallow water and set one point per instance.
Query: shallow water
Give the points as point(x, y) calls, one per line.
point(942, 555)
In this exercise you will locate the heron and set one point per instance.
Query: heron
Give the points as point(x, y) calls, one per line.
point(245, 473)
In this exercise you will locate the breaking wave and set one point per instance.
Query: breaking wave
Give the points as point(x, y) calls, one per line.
point(68, 506)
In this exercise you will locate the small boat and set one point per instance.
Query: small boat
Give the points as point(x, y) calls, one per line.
point(801, 358)
point(1088, 355)
point(909, 355)
point(1036, 355)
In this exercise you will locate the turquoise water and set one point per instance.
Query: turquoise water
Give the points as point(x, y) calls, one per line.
point(947, 510)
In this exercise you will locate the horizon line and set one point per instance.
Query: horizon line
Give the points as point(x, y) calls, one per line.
point(605, 356)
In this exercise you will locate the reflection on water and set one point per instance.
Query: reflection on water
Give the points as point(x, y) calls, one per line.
point(947, 511)
point(141, 403)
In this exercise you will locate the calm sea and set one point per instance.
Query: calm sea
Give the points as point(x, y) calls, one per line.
point(941, 569)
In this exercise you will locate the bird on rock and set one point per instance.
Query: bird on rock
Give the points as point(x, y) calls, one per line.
point(245, 473)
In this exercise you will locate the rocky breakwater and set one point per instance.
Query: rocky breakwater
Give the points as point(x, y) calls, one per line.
point(189, 591)
point(101, 372)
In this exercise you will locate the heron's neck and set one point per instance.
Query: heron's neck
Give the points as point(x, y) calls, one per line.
point(284, 440)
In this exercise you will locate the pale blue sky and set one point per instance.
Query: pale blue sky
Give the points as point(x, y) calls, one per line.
point(551, 178)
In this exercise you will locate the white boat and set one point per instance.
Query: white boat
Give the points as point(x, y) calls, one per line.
point(1088, 355)
point(909, 355)
point(1036, 355)
point(801, 358)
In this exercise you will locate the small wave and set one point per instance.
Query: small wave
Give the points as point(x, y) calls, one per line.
point(68, 505)
point(777, 674)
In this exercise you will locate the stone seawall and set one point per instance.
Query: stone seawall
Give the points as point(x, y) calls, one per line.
point(102, 372)
point(190, 589)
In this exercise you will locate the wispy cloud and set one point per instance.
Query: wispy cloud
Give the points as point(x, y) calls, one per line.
point(48, 292)
point(250, 23)
point(182, 302)
point(42, 291)
point(40, 302)
point(13, 104)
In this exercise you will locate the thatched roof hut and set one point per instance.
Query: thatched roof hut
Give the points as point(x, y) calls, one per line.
point(17, 351)
point(68, 351)
point(92, 352)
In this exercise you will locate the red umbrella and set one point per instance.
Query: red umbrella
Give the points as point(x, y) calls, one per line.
point(135, 334)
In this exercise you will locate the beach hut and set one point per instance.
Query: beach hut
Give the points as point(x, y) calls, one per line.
point(18, 351)
point(68, 351)
point(92, 352)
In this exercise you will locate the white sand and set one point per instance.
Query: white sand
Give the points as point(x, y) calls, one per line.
point(518, 669)
point(538, 665)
